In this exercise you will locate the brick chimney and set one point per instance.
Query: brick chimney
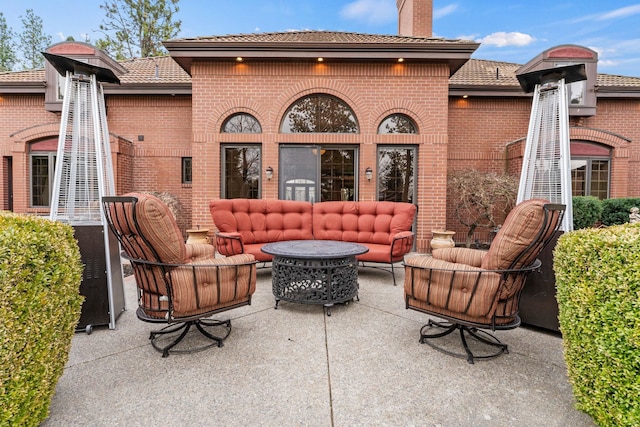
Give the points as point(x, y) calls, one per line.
point(415, 18)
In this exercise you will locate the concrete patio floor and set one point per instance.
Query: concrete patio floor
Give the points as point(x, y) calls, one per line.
point(295, 366)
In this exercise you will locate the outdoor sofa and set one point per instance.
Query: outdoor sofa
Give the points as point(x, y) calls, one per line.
point(245, 225)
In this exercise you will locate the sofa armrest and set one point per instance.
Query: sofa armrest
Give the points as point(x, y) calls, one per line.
point(401, 244)
point(197, 251)
point(468, 256)
point(229, 244)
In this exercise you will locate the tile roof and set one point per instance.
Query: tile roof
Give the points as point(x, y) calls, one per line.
point(486, 73)
point(476, 72)
point(29, 76)
point(320, 37)
point(159, 69)
point(481, 72)
point(618, 81)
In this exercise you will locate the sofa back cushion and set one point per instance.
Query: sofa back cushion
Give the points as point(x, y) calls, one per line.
point(262, 221)
point(362, 222)
point(521, 228)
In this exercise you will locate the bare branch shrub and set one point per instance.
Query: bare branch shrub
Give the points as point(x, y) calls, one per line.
point(172, 202)
point(480, 199)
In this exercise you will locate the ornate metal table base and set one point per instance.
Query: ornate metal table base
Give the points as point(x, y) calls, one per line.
point(315, 272)
point(326, 282)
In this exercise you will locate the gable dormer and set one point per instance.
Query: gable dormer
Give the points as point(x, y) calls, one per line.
point(79, 51)
point(581, 94)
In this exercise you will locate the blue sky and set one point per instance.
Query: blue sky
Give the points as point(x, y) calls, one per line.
point(511, 31)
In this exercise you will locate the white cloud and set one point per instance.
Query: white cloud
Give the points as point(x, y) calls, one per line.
point(502, 39)
point(371, 11)
point(621, 13)
point(467, 36)
point(444, 11)
point(607, 63)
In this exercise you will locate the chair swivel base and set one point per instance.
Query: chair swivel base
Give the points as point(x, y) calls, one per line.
point(475, 334)
point(166, 339)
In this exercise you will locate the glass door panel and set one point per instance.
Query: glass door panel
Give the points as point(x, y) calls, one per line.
point(298, 173)
point(337, 174)
point(396, 174)
point(241, 174)
point(317, 173)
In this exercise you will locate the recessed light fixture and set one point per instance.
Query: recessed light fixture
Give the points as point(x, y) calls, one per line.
point(239, 59)
point(400, 59)
point(320, 59)
point(465, 96)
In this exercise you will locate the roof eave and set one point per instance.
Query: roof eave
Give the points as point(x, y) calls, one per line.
point(617, 92)
point(455, 54)
point(159, 88)
point(487, 91)
point(35, 87)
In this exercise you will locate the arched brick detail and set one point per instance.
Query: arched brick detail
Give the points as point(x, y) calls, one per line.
point(617, 142)
point(45, 130)
point(385, 109)
point(610, 139)
point(313, 86)
point(620, 154)
point(230, 107)
point(48, 130)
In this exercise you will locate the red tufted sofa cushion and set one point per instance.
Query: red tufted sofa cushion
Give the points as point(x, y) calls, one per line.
point(375, 224)
point(383, 227)
point(260, 221)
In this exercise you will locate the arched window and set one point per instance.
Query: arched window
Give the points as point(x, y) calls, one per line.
point(241, 123)
point(398, 123)
point(319, 113)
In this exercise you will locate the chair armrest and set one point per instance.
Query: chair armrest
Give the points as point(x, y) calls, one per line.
point(467, 256)
point(457, 288)
point(401, 244)
point(211, 284)
point(229, 244)
point(196, 251)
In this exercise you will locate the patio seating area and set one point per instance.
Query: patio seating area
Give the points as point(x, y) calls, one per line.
point(363, 365)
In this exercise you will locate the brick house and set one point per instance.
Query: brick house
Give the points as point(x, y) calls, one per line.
point(317, 115)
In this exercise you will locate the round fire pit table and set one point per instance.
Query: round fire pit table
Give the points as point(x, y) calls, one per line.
point(314, 271)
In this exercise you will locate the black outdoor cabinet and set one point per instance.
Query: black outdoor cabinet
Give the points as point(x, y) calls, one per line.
point(538, 305)
point(104, 300)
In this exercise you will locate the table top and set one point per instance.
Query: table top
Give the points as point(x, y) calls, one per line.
point(314, 249)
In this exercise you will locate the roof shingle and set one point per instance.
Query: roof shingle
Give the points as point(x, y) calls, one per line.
point(318, 37)
point(163, 69)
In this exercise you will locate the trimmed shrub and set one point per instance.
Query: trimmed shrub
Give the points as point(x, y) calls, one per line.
point(40, 275)
point(598, 291)
point(586, 211)
point(616, 211)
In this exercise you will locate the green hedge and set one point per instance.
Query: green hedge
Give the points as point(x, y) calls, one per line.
point(616, 211)
point(40, 274)
point(587, 210)
point(598, 290)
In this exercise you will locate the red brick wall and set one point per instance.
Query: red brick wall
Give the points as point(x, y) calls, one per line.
point(155, 162)
point(150, 165)
point(23, 119)
point(266, 90)
point(415, 18)
point(490, 134)
point(484, 133)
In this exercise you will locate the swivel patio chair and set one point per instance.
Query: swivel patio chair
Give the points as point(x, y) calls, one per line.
point(473, 290)
point(180, 285)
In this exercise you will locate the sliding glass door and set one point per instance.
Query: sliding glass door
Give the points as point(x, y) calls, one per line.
point(318, 173)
